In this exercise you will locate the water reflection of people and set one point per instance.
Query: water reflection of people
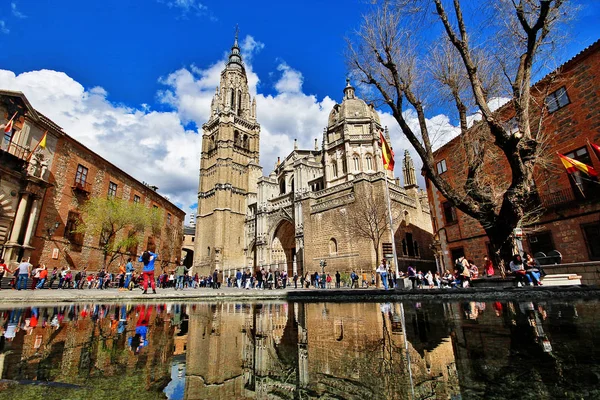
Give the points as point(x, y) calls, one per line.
point(139, 339)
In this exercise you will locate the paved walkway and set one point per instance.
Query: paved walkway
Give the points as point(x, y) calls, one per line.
point(9, 297)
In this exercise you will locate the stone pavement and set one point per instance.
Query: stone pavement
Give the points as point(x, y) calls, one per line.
point(45, 296)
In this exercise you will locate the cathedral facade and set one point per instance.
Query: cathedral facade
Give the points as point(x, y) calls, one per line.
point(308, 209)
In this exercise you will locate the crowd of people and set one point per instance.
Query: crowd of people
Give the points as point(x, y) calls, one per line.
point(526, 270)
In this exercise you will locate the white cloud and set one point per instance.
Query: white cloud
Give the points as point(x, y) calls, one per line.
point(3, 28)
point(291, 80)
point(156, 148)
point(494, 103)
point(151, 146)
point(16, 12)
point(189, 7)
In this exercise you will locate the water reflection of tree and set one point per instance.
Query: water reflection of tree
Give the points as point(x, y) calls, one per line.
point(514, 362)
point(86, 358)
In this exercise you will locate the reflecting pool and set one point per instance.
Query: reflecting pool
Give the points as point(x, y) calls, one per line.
point(468, 350)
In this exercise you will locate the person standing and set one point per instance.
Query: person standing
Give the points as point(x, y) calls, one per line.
point(488, 266)
point(180, 272)
point(53, 277)
point(35, 276)
point(284, 279)
point(82, 278)
point(43, 275)
point(295, 279)
point(412, 275)
point(219, 279)
point(100, 275)
point(354, 280)
point(122, 271)
point(238, 278)
point(147, 259)
point(382, 271)
point(24, 269)
point(3, 270)
point(338, 279)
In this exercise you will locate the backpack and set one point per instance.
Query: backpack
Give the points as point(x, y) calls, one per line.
point(458, 266)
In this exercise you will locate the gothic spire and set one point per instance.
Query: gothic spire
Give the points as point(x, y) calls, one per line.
point(408, 169)
point(235, 59)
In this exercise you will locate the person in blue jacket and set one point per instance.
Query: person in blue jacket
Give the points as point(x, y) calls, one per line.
point(128, 272)
point(148, 258)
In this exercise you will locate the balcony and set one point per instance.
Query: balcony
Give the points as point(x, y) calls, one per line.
point(558, 198)
point(81, 186)
point(13, 156)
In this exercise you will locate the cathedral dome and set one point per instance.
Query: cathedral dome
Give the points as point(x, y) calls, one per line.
point(352, 108)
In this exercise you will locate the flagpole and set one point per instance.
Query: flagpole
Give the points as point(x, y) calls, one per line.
point(389, 207)
point(36, 146)
point(8, 123)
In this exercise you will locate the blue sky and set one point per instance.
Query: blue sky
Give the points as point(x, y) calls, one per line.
point(125, 75)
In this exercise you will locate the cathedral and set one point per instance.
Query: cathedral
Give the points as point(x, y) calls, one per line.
point(306, 212)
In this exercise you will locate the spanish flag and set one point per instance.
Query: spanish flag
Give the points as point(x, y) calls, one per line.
point(386, 153)
point(596, 149)
point(9, 125)
point(574, 165)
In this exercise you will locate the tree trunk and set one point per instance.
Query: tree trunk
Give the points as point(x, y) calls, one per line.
point(501, 244)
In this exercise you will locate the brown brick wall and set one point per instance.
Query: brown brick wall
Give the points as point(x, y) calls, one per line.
point(61, 198)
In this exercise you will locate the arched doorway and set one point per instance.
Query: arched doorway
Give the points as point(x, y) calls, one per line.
point(283, 247)
point(189, 257)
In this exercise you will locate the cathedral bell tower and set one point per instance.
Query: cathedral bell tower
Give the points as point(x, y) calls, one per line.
point(228, 171)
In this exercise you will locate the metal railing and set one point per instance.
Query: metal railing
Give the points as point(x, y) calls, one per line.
point(14, 149)
point(82, 185)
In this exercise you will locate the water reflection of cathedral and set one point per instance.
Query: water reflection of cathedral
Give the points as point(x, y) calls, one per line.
point(465, 350)
point(293, 351)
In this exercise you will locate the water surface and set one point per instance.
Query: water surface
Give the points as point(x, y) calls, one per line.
point(469, 350)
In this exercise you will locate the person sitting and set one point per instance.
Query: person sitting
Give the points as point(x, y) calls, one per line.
point(473, 269)
point(461, 267)
point(532, 268)
point(518, 270)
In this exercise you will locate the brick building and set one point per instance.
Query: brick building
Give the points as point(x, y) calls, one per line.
point(42, 195)
point(568, 228)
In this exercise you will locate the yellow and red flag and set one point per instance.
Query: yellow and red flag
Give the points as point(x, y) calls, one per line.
point(9, 125)
point(572, 165)
point(386, 153)
point(596, 149)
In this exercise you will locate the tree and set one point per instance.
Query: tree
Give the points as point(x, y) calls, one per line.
point(120, 224)
point(367, 219)
point(398, 57)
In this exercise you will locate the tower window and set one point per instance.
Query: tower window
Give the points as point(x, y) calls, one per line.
point(334, 169)
point(356, 162)
point(333, 247)
point(369, 160)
